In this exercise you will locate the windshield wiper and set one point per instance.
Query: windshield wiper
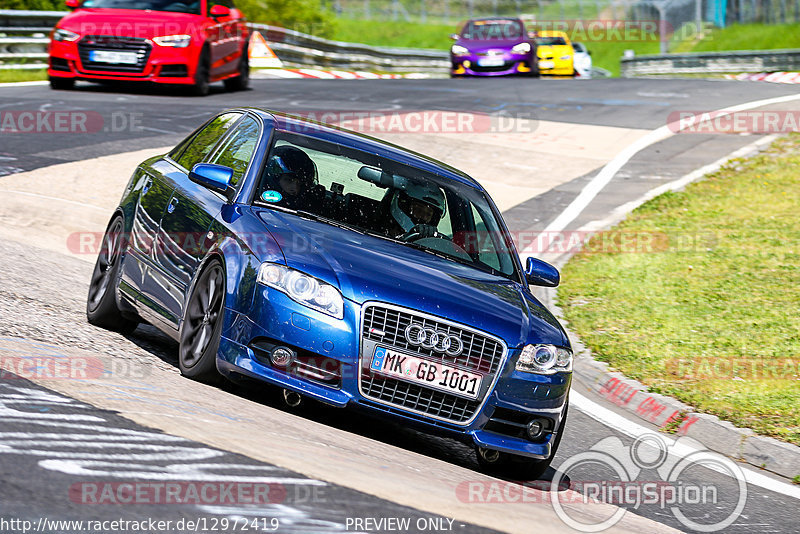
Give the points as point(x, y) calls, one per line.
point(457, 259)
point(326, 220)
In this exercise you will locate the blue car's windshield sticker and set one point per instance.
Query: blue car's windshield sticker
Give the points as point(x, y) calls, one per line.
point(271, 196)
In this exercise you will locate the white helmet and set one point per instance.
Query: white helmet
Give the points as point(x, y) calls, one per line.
point(410, 192)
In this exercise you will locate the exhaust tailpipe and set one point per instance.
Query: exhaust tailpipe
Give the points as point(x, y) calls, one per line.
point(292, 398)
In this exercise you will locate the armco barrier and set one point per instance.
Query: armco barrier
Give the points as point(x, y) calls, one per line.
point(293, 48)
point(712, 62)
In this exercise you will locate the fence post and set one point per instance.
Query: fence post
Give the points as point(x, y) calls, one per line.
point(662, 28)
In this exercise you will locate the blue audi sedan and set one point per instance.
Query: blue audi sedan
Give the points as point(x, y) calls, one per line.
point(340, 268)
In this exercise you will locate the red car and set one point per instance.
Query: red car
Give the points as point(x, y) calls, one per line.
point(188, 42)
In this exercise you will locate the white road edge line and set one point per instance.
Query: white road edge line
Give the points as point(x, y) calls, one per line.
point(47, 197)
point(622, 424)
point(24, 84)
point(596, 184)
point(589, 192)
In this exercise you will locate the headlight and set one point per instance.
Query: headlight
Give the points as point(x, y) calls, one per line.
point(521, 48)
point(302, 288)
point(565, 57)
point(544, 359)
point(459, 50)
point(60, 34)
point(175, 41)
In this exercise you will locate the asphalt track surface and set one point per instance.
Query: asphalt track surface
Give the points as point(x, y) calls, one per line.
point(42, 293)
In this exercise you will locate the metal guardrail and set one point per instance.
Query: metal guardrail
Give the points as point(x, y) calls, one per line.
point(712, 62)
point(292, 47)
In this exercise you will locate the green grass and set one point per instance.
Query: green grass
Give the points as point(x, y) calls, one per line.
point(395, 34)
point(750, 37)
point(721, 287)
point(15, 75)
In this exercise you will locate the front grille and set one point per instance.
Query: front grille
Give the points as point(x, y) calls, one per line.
point(418, 398)
point(481, 353)
point(386, 326)
point(505, 66)
point(114, 44)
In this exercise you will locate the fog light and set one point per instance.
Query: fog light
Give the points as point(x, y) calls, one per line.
point(535, 429)
point(281, 357)
point(467, 64)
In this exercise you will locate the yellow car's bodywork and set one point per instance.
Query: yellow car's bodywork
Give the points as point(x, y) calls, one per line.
point(555, 53)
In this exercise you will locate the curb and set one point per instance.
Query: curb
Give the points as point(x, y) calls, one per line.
point(672, 415)
point(314, 73)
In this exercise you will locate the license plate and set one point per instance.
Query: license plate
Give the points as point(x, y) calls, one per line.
point(490, 61)
point(108, 56)
point(434, 375)
point(546, 64)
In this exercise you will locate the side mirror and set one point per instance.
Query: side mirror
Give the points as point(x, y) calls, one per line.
point(454, 36)
point(213, 176)
point(541, 273)
point(219, 11)
point(72, 4)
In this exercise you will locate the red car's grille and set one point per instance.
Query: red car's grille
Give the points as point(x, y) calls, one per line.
point(110, 43)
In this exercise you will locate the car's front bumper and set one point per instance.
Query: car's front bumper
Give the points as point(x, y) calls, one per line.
point(507, 64)
point(556, 67)
point(321, 338)
point(166, 65)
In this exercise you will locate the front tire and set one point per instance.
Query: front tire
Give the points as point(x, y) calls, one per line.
point(201, 326)
point(201, 85)
point(242, 81)
point(101, 303)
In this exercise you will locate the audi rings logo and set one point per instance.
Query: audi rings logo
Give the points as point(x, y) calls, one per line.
point(428, 338)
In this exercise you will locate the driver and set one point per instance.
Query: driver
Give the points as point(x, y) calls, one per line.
point(416, 210)
point(292, 174)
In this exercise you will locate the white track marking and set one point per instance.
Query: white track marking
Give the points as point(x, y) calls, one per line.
point(632, 429)
point(23, 84)
point(46, 197)
point(593, 188)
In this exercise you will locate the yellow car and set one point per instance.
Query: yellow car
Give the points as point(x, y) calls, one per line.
point(555, 53)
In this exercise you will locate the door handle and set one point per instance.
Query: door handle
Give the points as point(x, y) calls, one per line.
point(148, 183)
point(172, 204)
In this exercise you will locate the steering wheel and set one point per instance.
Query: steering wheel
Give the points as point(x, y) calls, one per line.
point(422, 231)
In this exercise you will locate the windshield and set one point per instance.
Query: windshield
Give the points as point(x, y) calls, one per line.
point(178, 6)
point(550, 41)
point(488, 30)
point(369, 194)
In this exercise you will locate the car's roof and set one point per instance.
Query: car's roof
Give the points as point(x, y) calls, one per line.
point(365, 143)
point(487, 19)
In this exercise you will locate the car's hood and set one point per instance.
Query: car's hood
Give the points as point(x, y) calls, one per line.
point(482, 45)
point(368, 268)
point(554, 51)
point(129, 22)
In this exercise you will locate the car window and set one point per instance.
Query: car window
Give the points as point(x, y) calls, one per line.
point(346, 187)
point(550, 41)
point(238, 148)
point(492, 29)
point(195, 149)
point(226, 3)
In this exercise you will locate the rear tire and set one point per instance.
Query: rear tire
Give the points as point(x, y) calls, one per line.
point(242, 81)
point(101, 303)
point(201, 85)
point(62, 84)
point(201, 326)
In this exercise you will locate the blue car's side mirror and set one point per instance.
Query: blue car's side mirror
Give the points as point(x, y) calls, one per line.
point(213, 176)
point(541, 273)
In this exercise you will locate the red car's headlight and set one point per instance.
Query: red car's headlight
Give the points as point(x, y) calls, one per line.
point(175, 41)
